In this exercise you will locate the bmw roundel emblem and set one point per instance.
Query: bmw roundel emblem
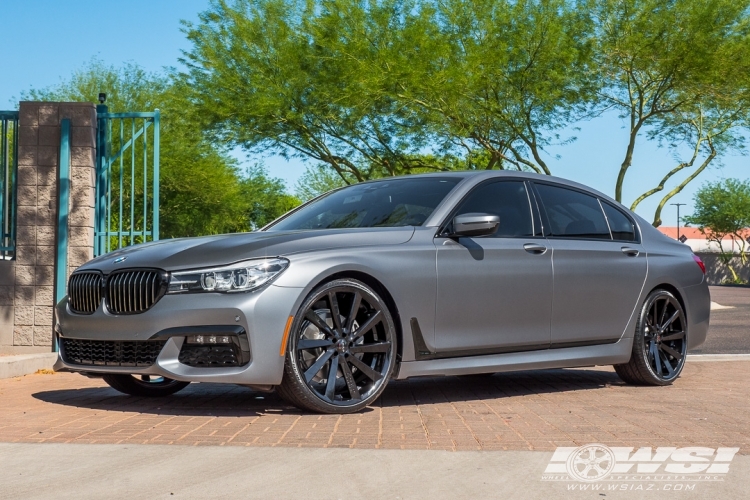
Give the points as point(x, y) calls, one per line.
point(120, 259)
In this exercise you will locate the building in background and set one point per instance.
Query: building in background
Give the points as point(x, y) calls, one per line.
point(698, 243)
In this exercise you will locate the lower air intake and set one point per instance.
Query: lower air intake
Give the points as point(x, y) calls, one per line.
point(110, 352)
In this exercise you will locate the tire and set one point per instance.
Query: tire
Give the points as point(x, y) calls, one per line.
point(358, 345)
point(142, 385)
point(660, 342)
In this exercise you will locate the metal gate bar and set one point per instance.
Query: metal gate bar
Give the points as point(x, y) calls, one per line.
point(8, 188)
point(117, 221)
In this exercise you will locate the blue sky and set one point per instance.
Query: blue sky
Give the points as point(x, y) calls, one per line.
point(45, 40)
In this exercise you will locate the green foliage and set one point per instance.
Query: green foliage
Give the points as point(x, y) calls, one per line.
point(676, 70)
point(390, 86)
point(503, 77)
point(318, 179)
point(723, 209)
point(309, 80)
point(266, 195)
point(202, 190)
point(387, 87)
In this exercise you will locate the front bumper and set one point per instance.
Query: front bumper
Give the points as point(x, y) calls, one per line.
point(260, 315)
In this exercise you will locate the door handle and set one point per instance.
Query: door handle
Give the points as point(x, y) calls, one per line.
point(630, 252)
point(535, 248)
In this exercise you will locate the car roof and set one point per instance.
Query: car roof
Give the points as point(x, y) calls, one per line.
point(476, 176)
point(471, 178)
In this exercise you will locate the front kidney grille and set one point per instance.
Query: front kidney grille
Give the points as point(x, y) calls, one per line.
point(110, 352)
point(134, 291)
point(85, 292)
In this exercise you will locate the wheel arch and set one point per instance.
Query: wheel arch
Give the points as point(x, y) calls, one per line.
point(673, 290)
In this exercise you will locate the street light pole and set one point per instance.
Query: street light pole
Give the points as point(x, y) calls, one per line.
point(678, 205)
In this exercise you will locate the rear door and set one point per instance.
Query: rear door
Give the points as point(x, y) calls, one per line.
point(494, 292)
point(599, 266)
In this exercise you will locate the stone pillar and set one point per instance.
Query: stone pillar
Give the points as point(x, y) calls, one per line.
point(27, 283)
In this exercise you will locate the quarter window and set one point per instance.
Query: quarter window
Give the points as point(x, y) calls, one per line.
point(573, 214)
point(621, 226)
point(506, 199)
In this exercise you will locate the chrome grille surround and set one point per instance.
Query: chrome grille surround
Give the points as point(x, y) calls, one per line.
point(134, 291)
point(85, 292)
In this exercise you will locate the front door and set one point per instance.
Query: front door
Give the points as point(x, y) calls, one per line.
point(494, 293)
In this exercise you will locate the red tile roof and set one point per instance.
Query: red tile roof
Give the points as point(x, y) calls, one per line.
point(692, 233)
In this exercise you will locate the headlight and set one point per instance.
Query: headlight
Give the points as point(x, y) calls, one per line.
point(240, 277)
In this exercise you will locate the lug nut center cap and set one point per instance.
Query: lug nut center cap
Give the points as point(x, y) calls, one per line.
point(341, 346)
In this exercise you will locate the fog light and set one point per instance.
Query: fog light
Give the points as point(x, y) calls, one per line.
point(209, 339)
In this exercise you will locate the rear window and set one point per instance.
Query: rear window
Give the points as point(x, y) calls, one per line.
point(621, 226)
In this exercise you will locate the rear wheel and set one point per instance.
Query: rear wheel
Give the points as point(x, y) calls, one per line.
point(144, 385)
point(660, 343)
point(341, 349)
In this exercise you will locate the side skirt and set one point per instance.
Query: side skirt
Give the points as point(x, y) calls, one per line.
point(422, 353)
point(527, 358)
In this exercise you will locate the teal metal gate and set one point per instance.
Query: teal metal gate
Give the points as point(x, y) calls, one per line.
point(127, 185)
point(8, 189)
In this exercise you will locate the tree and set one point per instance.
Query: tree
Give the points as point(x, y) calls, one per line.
point(316, 180)
point(723, 209)
point(392, 86)
point(267, 196)
point(202, 190)
point(676, 70)
point(307, 79)
point(503, 77)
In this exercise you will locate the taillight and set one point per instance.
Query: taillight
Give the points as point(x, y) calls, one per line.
point(700, 263)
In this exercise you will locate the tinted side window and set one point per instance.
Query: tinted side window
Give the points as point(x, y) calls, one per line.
point(621, 226)
point(506, 199)
point(573, 214)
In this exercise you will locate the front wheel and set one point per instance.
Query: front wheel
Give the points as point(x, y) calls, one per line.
point(660, 343)
point(341, 349)
point(144, 385)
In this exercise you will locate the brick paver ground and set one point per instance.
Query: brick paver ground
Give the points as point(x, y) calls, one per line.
point(708, 406)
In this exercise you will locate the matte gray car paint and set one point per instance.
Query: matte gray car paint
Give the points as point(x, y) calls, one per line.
point(596, 288)
point(403, 260)
point(485, 286)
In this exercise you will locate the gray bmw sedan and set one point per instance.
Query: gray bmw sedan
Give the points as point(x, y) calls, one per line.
point(438, 274)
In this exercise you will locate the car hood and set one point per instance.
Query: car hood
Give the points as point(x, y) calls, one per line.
point(189, 253)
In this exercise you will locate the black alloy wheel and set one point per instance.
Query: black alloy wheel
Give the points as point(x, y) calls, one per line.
point(341, 350)
point(660, 343)
point(144, 385)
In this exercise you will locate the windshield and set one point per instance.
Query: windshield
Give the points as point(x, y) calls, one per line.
point(386, 203)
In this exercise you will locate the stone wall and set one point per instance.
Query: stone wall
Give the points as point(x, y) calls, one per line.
point(717, 271)
point(27, 283)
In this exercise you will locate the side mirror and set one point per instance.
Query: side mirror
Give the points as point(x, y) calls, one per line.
point(475, 225)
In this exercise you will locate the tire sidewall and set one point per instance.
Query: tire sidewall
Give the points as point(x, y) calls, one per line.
point(639, 342)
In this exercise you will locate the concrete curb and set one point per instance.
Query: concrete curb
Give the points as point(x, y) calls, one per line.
point(24, 364)
point(718, 357)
